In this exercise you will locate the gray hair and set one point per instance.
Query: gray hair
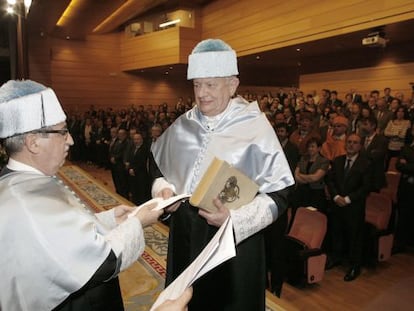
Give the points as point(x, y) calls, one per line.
point(14, 144)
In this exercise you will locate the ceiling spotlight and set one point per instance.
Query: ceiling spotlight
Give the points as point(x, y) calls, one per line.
point(258, 57)
point(298, 50)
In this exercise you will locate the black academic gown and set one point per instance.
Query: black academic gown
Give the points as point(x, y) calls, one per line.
point(238, 288)
point(238, 284)
point(99, 294)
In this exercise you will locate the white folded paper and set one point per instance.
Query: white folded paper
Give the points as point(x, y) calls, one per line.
point(218, 250)
point(160, 203)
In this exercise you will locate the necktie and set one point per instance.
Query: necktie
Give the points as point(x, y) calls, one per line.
point(347, 166)
point(380, 115)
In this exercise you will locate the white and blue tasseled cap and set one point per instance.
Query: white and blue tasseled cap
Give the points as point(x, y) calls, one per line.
point(25, 106)
point(212, 58)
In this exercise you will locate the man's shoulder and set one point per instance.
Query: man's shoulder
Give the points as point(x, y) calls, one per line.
point(25, 180)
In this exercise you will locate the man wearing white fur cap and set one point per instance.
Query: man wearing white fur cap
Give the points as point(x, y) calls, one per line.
point(56, 253)
point(238, 132)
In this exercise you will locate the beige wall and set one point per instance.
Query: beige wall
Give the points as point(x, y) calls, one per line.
point(363, 80)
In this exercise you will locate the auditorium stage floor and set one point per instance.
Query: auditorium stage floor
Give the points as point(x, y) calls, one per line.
point(389, 286)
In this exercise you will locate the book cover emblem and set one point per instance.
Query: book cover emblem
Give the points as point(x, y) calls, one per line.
point(231, 190)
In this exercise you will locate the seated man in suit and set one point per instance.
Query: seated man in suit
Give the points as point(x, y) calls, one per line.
point(348, 185)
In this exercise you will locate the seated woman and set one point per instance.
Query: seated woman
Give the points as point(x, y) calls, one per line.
point(309, 176)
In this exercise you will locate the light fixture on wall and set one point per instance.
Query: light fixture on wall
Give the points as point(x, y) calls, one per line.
point(169, 23)
point(20, 8)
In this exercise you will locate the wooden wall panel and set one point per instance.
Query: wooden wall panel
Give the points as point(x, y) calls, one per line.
point(268, 24)
point(88, 72)
point(170, 46)
point(39, 59)
point(363, 80)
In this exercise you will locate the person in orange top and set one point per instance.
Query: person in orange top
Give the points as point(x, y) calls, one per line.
point(335, 143)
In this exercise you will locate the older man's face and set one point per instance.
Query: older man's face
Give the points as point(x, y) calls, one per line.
point(212, 95)
point(53, 149)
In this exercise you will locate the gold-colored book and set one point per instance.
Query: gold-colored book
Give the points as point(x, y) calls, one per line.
point(223, 181)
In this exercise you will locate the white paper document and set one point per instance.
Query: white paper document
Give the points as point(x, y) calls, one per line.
point(218, 250)
point(160, 203)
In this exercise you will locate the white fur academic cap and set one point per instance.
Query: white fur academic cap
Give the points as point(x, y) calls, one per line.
point(212, 58)
point(26, 106)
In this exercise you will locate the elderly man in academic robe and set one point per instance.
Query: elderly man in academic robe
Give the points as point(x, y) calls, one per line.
point(236, 131)
point(56, 253)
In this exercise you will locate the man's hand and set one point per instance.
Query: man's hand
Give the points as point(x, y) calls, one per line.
point(167, 193)
point(217, 218)
point(340, 201)
point(179, 304)
point(147, 216)
point(121, 212)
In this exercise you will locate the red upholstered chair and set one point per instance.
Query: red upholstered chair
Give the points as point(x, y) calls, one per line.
point(378, 211)
point(391, 165)
point(305, 259)
point(393, 180)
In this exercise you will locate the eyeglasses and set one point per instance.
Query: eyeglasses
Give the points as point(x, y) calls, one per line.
point(64, 132)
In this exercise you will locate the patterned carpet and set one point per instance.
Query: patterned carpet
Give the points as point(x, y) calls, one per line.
point(142, 282)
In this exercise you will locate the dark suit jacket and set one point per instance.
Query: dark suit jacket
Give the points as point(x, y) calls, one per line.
point(292, 155)
point(357, 98)
point(138, 161)
point(356, 184)
point(117, 150)
point(377, 152)
point(383, 121)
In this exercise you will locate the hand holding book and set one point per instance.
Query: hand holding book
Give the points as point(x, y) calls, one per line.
point(223, 181)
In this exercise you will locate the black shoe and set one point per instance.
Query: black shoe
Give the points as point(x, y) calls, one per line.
point(330, 263)
point(352, 273)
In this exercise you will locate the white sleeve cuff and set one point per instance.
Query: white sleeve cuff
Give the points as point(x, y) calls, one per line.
point(253, 217)
point(127, 241)
point(107, 218)
point(159, 184)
